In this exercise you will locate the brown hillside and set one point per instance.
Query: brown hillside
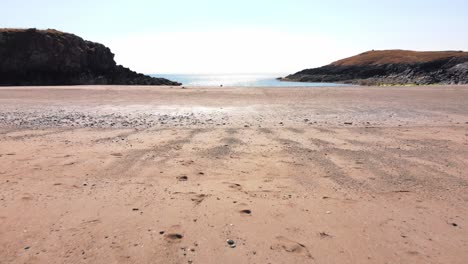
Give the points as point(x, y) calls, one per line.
point(16, 30)
point(381, 57)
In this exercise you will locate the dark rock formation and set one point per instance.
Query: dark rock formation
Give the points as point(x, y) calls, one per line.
point(50, 57)
point(392, 67)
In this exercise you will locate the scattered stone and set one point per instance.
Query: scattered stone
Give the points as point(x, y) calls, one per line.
point(26, 248)
point(454, 224)
point(246, 211)
point(161, 232)
point(324, 235)
point(174, 236)
point(231, 243)
point(135, 209)
point(348, 123)
point(182, 178)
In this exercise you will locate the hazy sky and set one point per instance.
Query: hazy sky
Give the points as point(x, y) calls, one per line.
point(241, 36)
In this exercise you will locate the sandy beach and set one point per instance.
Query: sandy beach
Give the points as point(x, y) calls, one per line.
point(121, 174)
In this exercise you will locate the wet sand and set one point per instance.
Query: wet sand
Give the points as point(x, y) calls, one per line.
point(115, 174)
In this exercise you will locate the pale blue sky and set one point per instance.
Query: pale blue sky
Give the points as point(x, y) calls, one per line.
point(247, 35)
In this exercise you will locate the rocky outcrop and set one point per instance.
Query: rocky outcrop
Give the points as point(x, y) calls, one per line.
point(392, 67)
point(50, 57)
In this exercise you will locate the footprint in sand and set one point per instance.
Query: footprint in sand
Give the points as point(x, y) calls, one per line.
point(291, 246)
point(198, 198)
point(27, 197)
point(235, 186)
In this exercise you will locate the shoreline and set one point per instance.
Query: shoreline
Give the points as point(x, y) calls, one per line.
point(146, 107)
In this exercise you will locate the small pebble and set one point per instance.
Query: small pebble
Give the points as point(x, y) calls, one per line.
point(182, 178)
point(231, 243)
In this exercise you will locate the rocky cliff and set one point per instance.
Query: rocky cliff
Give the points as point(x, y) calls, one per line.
point(392, 67)
point(50, 57)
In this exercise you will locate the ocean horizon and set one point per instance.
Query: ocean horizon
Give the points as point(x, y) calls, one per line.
point(238, 80)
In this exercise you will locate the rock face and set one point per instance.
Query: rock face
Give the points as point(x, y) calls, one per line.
point(50, 57)
point(392, 67)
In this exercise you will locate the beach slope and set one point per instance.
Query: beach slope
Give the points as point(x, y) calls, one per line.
point(119, 174)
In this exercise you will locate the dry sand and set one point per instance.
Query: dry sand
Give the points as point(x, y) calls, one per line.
point(292, 175)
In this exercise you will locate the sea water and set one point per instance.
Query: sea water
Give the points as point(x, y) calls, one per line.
point(237, 80)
